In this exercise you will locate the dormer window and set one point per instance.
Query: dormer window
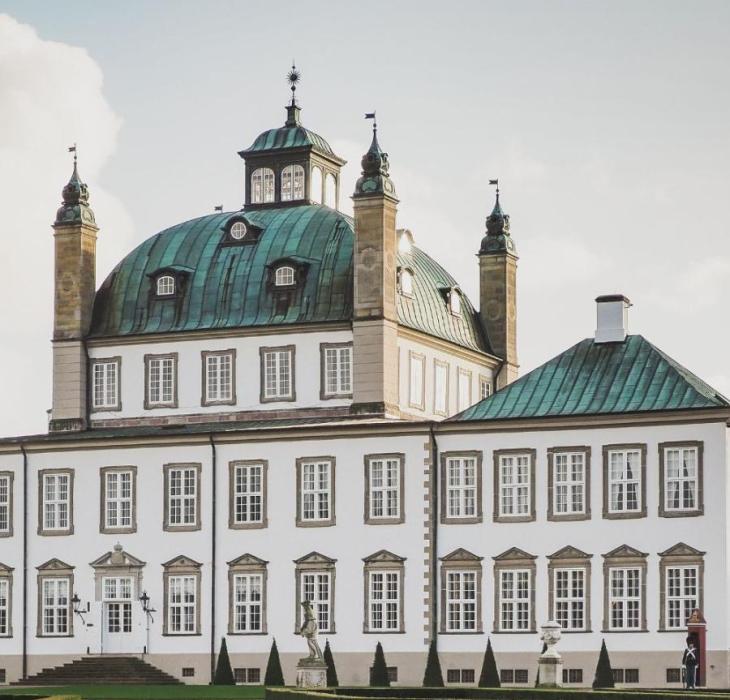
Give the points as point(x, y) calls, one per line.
point(292, 183)
point(238, 231)
point(284, 276)
point(405, 241)
point(262, 186)
point(165, 286)
point(405, 282)
point(455, 302)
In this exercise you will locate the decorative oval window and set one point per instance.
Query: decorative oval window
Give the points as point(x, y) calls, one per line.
point(238, 230)
point(284, 276)
point(165, 286)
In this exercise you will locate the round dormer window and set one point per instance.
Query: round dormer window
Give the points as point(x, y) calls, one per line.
point(238, 231)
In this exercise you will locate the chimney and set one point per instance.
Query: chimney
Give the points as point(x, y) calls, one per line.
point(612, 318)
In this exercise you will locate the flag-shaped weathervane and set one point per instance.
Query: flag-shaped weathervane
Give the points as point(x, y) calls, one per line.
point(371, 115)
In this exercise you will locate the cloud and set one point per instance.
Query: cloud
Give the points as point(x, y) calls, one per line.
point(52, 96)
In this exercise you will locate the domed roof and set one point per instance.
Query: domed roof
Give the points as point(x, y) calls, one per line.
point(228, 286)
point(289, 137)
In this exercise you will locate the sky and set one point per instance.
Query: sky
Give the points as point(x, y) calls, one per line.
point(605, 122)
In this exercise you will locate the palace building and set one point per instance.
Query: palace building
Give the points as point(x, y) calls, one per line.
point(283, 403)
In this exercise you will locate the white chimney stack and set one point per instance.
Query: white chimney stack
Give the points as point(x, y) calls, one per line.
point(612, 313)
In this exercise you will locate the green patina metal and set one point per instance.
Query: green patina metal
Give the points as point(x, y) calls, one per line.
point(289, 137)
point(227, 286)
point(594, 379)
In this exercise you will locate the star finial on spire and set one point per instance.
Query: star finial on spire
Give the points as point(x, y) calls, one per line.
point(293, 77)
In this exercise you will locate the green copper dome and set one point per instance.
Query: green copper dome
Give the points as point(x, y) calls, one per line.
point(228, 285)
point(289, 137)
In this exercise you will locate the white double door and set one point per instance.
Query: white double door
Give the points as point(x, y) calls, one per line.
point(118, 626)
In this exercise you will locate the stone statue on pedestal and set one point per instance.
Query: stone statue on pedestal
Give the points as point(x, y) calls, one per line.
point(312, 669)
point(550, 662)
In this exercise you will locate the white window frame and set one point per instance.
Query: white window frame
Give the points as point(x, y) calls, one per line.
point(621, 598)
point(161, 389)
point(337, 370)
point(277, 374)
point(463, 389)
point(219, 372)
point(515, 610)
point(619, 480)
point(384, 603)
point(182, 506)
point(405, 282)
point(485, 388)
point(248, 493)
point(285, 276)
point(118, 591)
point(6, 504)
point(57, 510)
point(248, 602)
point(462, 483)
point(118, 503)
point(105, 384)
point(292, 183)
point(311, 582)
point(179, 587)
point(55, 589)
point(5, 605)
point(416, 380)
point(238, 230)
point(565, 597)
point(680, 480)
point(565, 484)
point(455, 302)
point(384, 484)
point(687, 602)
point(262, 186)
point(440, 388)
point(165, 286)
point(515, 490)
point(316, 490)
point(462, 600)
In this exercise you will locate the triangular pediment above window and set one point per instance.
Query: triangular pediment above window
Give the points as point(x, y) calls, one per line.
point(247, 560)
point(681, 550)
point(54, 565)
point(5, 569)
point(314, 558)
point(181, 562)
point(624, 552)
point(117, 558)
point(461, 554)
point(569, 552)
point(514, 554)
point(383, 556)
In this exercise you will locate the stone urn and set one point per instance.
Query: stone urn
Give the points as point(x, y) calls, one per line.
point(550, 662)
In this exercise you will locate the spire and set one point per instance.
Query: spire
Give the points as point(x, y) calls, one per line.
point(75, 195)
point(375, 168)
point(498, 238)
point(293, 109)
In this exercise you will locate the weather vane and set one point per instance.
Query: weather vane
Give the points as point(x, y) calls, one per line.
point(293, 77)
point(371, 115)
point(73, 149)
point(496, 184)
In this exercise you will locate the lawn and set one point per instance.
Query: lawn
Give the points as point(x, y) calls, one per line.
point(146, 692)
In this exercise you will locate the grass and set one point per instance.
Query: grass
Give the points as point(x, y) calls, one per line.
point(146, 692)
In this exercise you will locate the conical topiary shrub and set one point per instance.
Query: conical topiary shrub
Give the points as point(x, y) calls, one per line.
point(489, 677)
point(332, 681)
point(274, 675)
point(432, 677)
point(604, 672)
point(223, 671)
point(379, 670)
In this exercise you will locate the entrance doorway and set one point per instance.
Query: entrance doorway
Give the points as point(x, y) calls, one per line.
point(116, 623)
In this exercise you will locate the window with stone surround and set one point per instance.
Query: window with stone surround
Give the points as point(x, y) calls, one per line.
point(485, 388)
point(514, 485)
point(315, 582)
point(514, 592)
point(247, 595)
point(248, 494)
point(55, 590)
point(55, 502)
point(569, 478)
point(6, 597)
point(461, 592)
point(405, 281)
point(681, 479)
point(624, 584)
point(105, 385)
point(384, 489)
point(383, 573)
point(160, 381)
point(336, 370)
point(315, 491)
point(118, 500)
point(6, 503)
point(181, 577)
point(461, 487)
point(219, 378)
point(569, 571)
point(624, 481)
point(277, 374)
point(182, 497)
point(681, 569)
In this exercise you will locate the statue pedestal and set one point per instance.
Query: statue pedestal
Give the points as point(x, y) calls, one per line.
point(311, 674)
point(551, 672)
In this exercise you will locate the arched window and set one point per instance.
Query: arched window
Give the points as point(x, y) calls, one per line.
point(455, 302)
point(315, 185)
point(165, 285)
point(330, 191)
point(406, 282)
point(292, 183)
point(262, 186)
point(285, 276)
point(238, 231)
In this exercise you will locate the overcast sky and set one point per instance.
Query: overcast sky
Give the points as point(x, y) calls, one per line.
point(608, 124)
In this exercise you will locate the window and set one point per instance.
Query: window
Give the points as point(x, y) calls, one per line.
point(181, 604)
point(5, 583)
point(568, 481)
point(572, 675)
point(384, 603)
point(570, 598)
point(284, 276)
point(680, 469)
point(406, 282)
point(219, 377)
point(336, 361)
point(514, 600)
point(292, 183)
point(105, 384)
point(56, 502)
point(247, 602)
point(461, 601)
point(514, 485)
point(118, 512)
point(516, 675)
point(455, 302)
point(463, 389)
point(674, 675)
point(625, 675)
point(165, 286)
point(624, 476)
point(316, 502)
point(247, 675)
point(624, 598)
point(461, 484)
point(248, 494)
point(384, 488)
point(330, 191)
point(315, 582)
point(238, 230)
point(440, 388)
point(417, 378)
point(161, 381)
point(316, 589)
point(262, 186)
point(188, 672)
point(182, 488)
point(460, 675)
point(6, 504)
point(682, 598)
point(55, 606)
point(277, 374)
point(315, 185)
point(485, 388)
point(117, 603)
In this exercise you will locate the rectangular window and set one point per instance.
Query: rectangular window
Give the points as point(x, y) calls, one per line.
point(182, 604)
point(485, 388)
point(4, 607)
point(316, 490)
point(514, 485)
point(188, 672)
point(277, 374)
point(118, 499)
point(218, 377)
point(682, 589)
point(680, 478)
point(416, 387)
point(624, 598)
point(624, 481)
point(674, 675)
point(248, 493)
point(570, 598)
point(569, 483)
point(625, 675)
point(317, 590)
point(384, 476)
point(55, 606)
point(463, 389)
point(337, 370)
point(461, 601)
point(182, 496)
point(572, 675)
point(247, 675)
point(248, 602)
point(105, 384)
point(461, 487)
point(384, 604)
point(440, 388)
point(56, 501)
point(161, 390)
point(460, 675)
point(6, 503)
point(516, 675)
point(514, 600)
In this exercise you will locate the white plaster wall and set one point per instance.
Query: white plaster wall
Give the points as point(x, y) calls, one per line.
point(248, 373)
point(11, 551)
point(598, 536)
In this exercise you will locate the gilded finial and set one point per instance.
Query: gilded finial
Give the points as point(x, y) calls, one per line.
point(293, 77)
